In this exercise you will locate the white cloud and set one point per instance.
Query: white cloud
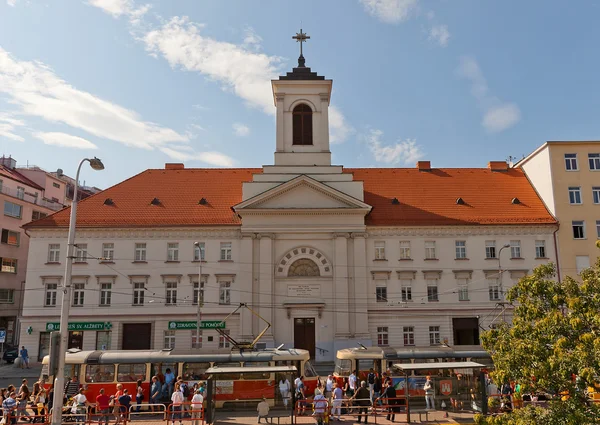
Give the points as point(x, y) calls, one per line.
point(240, 129)
point(212, 158)
point(7, 126)
point(36, 90)
point(245, 73)
point(252, 39)
point(497, 115)
point(390, 11)
point(339, 129)
point(440, 35)
point(64, 140)
point(405, 151)
point(11, 2)
point(501, 117)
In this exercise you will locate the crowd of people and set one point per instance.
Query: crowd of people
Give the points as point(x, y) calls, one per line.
point(29, 405)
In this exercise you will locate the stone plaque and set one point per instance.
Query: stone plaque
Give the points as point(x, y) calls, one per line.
point(304, 291)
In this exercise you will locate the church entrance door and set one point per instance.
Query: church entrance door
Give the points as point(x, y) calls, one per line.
point(304, 334)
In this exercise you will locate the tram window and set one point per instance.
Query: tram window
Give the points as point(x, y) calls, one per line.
point(100, 373)
point(228, 376)
point(309, 370)
point(364, 365)
point(131, 372)
point(159, 369)
point(72, 370)
point(295, 363)
point(259, 375)
point(195, 371)
point(342, 367)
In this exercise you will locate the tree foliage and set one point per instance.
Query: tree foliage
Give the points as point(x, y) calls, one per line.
point(554, 336)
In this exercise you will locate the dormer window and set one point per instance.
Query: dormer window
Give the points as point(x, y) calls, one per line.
point(302, 123)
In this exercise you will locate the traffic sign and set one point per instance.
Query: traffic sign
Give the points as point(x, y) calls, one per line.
point(2, 336)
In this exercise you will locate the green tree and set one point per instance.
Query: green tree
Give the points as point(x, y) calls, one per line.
point(554, 336)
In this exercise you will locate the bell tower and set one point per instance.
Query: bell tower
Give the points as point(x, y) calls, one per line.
point(302, 124)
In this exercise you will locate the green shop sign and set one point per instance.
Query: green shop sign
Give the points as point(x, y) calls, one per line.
point(81, 326)
point(205, 324)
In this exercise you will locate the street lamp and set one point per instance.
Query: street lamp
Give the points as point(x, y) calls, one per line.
point(200, 299)
point(506, 245)
point(59, 381)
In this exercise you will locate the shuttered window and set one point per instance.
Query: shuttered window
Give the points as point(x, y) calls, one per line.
point(302, 125)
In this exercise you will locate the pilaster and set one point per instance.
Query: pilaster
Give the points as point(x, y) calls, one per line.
point(245, 283)
point(360, 295)
point(341, 297)
point(265, 284)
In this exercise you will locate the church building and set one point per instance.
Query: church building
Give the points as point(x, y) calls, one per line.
point(331, 257)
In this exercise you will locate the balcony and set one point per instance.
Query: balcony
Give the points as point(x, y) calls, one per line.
point(26, 197)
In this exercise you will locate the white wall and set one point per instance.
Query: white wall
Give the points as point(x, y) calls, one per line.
point(539, 171)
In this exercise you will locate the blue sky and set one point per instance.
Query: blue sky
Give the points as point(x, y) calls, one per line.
point(140, 83)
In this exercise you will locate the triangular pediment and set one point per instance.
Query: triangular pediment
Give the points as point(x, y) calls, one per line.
point(302, 193)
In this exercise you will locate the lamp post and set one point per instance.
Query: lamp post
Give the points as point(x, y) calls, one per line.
point(506, 245)
point(59, 380)
point(200, 299)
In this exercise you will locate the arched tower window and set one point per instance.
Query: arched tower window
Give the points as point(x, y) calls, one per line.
point(303, 267)
point(302, 125)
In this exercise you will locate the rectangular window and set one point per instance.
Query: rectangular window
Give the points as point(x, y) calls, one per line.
point(108, 251)
point(578, 229)
point(571, 162)
point(582, 262)
point(461, 249)
point(224, 292)
point(493, 288)
point(103, 340)
point(380, 250)
point(173, 251)
point(596, 194)
point(105, 294)
point(7, 296)
point(406, 288)
point(20, 192)
point(81, 253)
point(515, 249)
point(409, 335)
point(598, 228)
point(490, 249)
point(575, 195)
point(382, 336)
point(594, 160)
point(1, 184)
point(36, 215)
point(226, 251)
point(51, 291)
point(199, 252)
point(430, 250)
point(138, 293)
point(169, 340)
point(224, 342)
point(99, 373)
point(140, 252)
point(56, 185)
point(78, 294)
point(53, 253)
point(196, 338)
point(10, 237)
point(9, 265)
point(463, 289)
point(13, 210)
point(540, 249)
point(434, 335)
point(171, 294)
point(381, 294)
point(198, 296)
point(405, 250)
point(432, 291)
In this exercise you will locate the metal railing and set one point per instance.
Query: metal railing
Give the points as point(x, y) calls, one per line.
point(36, 200)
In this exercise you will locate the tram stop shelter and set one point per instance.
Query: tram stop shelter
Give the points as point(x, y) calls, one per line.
point(461, 366)
point(215, 372)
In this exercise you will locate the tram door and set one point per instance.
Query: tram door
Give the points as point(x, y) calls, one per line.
point(304, 334)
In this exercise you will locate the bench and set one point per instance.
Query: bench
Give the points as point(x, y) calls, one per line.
point(277, 416)
point(421, 412)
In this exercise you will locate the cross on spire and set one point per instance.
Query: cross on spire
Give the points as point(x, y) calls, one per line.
point(301, 37)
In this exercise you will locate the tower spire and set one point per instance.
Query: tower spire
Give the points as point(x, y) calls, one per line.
point(301, 37)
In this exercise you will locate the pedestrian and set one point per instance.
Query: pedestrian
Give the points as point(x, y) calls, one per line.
point(25, 357)
point(371, 381)
point(338, 397)
point(103, 407)
point(351, 384)
point(79, 408)
point(22, 400)
point(363, 401)
point(71, 388)
point(170, 381)
point(124, 404)
point(115, 401)
point(284, 390)
point(300, 395)
point(139, 395)
point(320, 407)
point(185, 390)
point(39, 402)
point(263, 410)
point(9, 407)
point(428, 388)
point(50, 398)
point(390, 395)
point(329, 386)
point(377, 388)
point(177, 400)
point(155, 389)
point(3, 395)
point(197, 402)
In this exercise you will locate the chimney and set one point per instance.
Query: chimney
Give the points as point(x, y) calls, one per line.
point(8, 162)
point(498, 165)
point(424, 165)
point(174, 166)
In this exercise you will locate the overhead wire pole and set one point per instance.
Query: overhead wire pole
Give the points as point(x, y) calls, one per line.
point(200, 299)
point(501, 287)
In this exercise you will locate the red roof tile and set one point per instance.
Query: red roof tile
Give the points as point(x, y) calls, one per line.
point(18, 177)
point(425, 198)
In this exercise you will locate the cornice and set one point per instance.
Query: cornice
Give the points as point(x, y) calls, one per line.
point(150, 233)
point(432, 231)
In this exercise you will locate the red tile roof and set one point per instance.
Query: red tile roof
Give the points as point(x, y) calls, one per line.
point(425, 198)
point(18, 177)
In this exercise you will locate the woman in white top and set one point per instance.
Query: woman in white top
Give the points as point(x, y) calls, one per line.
point(197, 401)
point(177, 399)
point(284, 389)
point(79, 408)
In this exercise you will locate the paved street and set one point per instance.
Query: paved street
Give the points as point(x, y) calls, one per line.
point(9, 374)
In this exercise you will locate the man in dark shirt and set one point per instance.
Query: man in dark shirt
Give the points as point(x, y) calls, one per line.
point(390, 395)
point(124, 403)
point(363, 401)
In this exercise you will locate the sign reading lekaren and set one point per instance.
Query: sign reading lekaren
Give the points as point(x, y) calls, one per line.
point(205, 324)
point(81, 326)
